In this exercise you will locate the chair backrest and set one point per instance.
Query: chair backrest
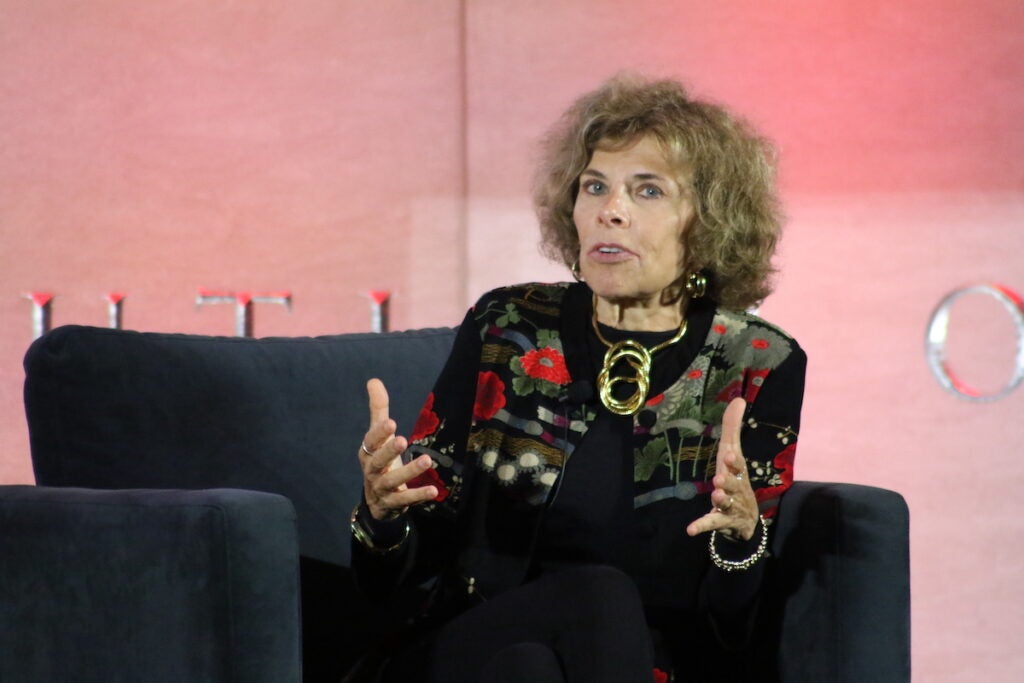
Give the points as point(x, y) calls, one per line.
point(117, 409)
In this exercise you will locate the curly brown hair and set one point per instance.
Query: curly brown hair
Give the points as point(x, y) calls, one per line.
point(727, 167)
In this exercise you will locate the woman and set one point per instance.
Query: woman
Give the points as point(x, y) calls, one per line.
point(590, 484)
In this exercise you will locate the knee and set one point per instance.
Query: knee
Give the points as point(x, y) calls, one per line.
point(600, 590)
point(533, 662)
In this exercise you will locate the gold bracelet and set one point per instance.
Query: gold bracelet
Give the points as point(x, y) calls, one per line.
point(362, 534)
point(739, 565)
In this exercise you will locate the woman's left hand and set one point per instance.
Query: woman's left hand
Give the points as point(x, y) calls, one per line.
point(734, 513)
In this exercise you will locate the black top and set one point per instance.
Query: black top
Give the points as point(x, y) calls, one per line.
point(591, 517)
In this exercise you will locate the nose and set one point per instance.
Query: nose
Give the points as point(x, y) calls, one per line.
point(614, 212)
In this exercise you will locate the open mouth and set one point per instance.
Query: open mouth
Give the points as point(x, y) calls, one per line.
point(610, 253)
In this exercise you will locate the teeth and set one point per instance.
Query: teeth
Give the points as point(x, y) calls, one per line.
point(610, 250)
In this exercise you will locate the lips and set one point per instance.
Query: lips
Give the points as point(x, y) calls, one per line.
point(610, 253)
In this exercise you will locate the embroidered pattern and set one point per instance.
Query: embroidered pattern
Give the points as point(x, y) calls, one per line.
point(738, 354)
point(521, 429)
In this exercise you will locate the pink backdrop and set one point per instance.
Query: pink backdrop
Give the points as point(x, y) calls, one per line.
point(330, 147)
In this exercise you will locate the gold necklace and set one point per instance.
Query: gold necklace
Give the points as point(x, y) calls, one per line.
point(636, 356)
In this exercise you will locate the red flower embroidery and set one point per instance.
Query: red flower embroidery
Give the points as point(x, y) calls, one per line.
point(753, 380)
point(660, 676)
point(430, 478)
point(547, 364)
point(655, 400)
point(490, 396)
point(427, 422)
point(768, 498)
point(748, 387)
point(783, 462)
point(696, 374)
point(719, 329)
point(760, 344)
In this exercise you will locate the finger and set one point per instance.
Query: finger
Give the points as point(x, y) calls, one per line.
point(722, 500)
point(739, 511)
point(382, 428)
point(709, 522)
point(729, 442)
point(390, 492)
point(732, 423)
point(401, 475)
point(379, 402)
point(387, 456)
point(376, 437)
point(736, 465)
point(400, 501)
point(734, 519)
point(375, 454)
point(406, 498)
point(733, 479)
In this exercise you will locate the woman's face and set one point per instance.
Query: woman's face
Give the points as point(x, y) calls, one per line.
point(630, 215)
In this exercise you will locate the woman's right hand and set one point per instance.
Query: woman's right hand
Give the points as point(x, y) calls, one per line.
point(385, 478)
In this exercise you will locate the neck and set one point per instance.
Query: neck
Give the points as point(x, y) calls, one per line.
point(639, 316)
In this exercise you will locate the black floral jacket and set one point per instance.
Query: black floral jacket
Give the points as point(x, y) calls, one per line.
point(502, 419)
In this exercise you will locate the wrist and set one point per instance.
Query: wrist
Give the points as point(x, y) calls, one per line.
point(378, 535)
point(375, 516)
point(748, 535)
point(737, 555)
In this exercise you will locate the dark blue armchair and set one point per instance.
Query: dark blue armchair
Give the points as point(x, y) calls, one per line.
point(190, 519)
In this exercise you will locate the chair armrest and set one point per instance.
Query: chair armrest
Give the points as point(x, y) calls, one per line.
point(154, 585)
point(840, 584)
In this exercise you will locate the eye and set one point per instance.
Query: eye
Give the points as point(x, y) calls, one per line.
point(593, 186)
point(650, 191)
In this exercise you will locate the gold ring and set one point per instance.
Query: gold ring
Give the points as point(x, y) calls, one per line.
point(366, 450)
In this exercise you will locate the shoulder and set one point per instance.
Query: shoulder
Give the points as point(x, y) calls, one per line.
point(538, 302)
point(740, 323)
point(536, 292)
point(751, 340)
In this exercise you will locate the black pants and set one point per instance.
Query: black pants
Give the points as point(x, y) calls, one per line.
point(581, 625)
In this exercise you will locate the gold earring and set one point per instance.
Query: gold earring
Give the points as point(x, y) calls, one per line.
point(696, 285)
point(575, 269)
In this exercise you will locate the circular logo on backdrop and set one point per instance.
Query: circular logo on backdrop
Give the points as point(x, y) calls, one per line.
point(938, 331)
